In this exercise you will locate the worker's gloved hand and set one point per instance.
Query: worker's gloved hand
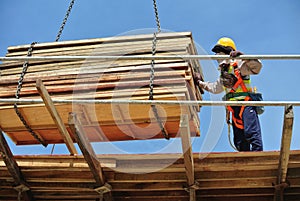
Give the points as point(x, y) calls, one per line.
point(197, 78)
point(236, 53)
point(228, 79)
point(198, 82)
point(224, 66)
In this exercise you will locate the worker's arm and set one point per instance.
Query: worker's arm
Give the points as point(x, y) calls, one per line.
point(212, 87)
point(249, 66)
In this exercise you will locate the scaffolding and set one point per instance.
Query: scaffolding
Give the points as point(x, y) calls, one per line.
point(102, 187)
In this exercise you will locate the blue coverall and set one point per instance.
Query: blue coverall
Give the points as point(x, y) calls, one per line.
point(249, 138)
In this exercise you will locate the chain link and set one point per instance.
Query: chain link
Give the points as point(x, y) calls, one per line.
point(64, 21)
point(152, 73)
point(25, 67)
point(17, 95)
point(154, 42)
point(156, 16)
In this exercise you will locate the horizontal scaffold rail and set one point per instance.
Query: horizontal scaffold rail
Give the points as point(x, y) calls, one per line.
point(155, 102)
point(143, 57)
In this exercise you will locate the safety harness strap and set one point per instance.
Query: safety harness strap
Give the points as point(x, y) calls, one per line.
point(236, 94)
point(238, 121)
point(240, 82)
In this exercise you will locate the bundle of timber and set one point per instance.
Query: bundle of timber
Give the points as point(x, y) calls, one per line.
point(102, 79)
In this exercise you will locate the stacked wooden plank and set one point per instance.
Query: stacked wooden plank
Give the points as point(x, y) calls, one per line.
point(221, 176)
point(102, 79)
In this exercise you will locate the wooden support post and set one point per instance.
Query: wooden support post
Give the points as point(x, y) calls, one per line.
point(188, 155)
point(192, 194)
point(284, 153)
point(13, 168)
point(56, 117)
point(87, 150)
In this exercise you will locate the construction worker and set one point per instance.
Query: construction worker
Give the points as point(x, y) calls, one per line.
point(235, 80)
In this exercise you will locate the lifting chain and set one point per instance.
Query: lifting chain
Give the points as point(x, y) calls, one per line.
point(19, 87)
point(24, 70)
point(64, 21)
point(151, 85)
point(156, 16)
point(154, 42)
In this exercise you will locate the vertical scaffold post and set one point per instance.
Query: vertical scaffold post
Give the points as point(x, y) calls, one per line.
point(282, 182)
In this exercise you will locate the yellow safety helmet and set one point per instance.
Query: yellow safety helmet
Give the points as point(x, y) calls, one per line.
point(226, 42)
point(225, 45)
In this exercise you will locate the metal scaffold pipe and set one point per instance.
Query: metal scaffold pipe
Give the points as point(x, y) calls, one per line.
point(154, 102)
point(143, 57)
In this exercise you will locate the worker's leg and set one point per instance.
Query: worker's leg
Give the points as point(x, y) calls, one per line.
point(239, 139)
point(252, 128)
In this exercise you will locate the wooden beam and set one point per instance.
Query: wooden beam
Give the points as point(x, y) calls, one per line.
point(187, 149)
point(188, 155)
point(55, 116)
point(86, 149)
point(284, 153)
point(285, 144)
point(20, 184)
point(103, 188)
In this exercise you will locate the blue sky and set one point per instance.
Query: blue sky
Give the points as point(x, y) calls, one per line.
point(258, 27)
